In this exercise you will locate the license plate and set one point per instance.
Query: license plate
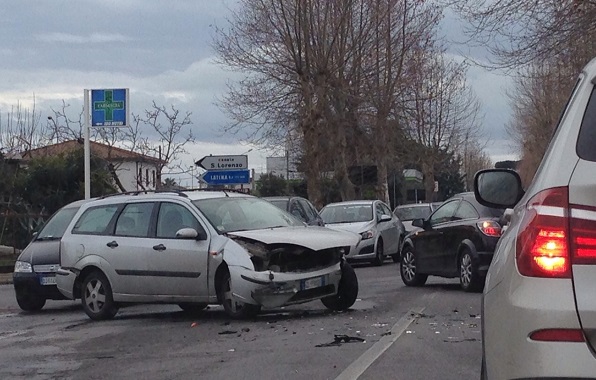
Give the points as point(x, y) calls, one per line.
point(312, 283)
point(47, 280)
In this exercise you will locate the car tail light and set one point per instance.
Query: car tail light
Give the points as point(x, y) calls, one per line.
point(583, 235)
point(490, 228)
point(543, 239)
point(558, 335)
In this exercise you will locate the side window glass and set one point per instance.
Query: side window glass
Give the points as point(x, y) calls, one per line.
point(95, 220)
point(172, 217)
point(386, 210)
point(466, 211)
point(297, 211)
point(134, 220)
point(379, 211)
point(587, 134)
point(310, 211)
point(444, 213)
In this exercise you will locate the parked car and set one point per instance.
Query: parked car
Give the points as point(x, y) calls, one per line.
point(539, 307)
point(197, 248)
point(379, 228)
point(407, 213)
point(300, 207)
point(457, 240)
point(34, 275)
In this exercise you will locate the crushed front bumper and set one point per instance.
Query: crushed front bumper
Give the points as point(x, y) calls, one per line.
point(273, 289)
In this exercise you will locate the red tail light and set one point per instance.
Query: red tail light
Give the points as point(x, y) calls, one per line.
point(490, 228)
point(583, 239)
point(558, 335)
point(543, 240)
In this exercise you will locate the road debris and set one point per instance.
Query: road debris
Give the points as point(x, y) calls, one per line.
point(338, 340)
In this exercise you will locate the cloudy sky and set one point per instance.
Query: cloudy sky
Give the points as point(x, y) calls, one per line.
point(52, 50)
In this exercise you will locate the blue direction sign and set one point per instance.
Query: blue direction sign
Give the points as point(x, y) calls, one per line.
point(109, 108)
point(226, 177)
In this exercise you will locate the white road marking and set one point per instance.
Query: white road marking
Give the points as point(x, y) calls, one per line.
point(357, 368)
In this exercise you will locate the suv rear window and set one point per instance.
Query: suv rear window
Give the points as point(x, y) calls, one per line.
point(587, 134)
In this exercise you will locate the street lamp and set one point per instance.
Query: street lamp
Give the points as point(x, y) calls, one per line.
point(192, 177)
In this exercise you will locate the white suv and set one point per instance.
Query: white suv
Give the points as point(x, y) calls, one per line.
point(197, 248)
point(539, 302)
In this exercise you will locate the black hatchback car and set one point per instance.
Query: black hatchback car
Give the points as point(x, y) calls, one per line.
point(34, 276)
point(299, 207)
point(457, 240)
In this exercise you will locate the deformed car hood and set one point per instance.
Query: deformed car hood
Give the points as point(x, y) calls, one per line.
point(312, 237)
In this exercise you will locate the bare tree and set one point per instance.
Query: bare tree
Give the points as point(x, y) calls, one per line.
point(21, 129)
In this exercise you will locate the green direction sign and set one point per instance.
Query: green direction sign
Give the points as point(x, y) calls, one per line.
point(109, 108)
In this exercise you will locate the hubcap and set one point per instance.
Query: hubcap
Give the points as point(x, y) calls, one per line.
point(466, 269)
point(409, 266)
point(95, 296)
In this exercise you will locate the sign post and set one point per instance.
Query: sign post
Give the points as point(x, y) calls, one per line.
point(106, 108)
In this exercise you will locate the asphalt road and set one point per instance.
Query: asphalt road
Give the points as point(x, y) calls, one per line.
point(392, 332)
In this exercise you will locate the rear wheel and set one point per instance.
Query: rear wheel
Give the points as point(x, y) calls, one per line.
point(30, 302)
point(379, 254)
point(409, 270)
point(347, 290)
point(234, 308)
point(469, 278)
point(97, 298)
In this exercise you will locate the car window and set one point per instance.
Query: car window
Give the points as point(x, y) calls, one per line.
point(134, 220)
point(56, 225)
point(466, 211)
point(413, 212)
point(444, 213)
point(378, 211)
point(311, 213)
point(386, 210)
point(281, 203)
point(172, 217)
point(95, 220)
point(297, 210)
point(229, 214)
point(342, 213)
point(587, 135)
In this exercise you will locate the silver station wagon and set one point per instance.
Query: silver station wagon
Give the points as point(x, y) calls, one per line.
point(197, 248)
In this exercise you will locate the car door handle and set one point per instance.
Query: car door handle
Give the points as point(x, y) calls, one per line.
point(159, 247)
point(112, 244)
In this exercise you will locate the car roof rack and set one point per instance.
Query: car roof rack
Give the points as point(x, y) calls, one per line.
point(173, 191)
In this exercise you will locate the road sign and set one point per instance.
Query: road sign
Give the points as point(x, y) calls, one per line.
point(109, 108)
point(226, 177)
point(223, 162)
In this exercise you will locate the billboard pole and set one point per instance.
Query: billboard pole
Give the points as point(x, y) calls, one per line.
point(87, 149)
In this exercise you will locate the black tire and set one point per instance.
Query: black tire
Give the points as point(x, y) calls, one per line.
point(234, 308)
point(379, 254)
point(396, 258)
point(408, 268)
point(193, 307)
point(469, 278)
point(347, 290)
point(30, 302)
point(97, 298)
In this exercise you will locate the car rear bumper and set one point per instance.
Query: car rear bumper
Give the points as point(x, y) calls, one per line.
point(30, 283)
point(273, 289)
point(518, 306)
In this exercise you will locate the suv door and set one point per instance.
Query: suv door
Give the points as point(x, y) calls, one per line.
point(177, 266)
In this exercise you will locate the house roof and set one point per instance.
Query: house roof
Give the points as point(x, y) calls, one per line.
point(106, 152)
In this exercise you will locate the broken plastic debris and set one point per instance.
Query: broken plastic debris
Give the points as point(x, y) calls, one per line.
point(338, 340)
point(226, 332)
point(379, 324)
point(409, 332)
point(231, 350)
point(194, 324)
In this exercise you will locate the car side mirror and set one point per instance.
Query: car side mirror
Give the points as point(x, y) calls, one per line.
point(498, 188)
point(385, 218)
point(187, 233)
point(418, 223)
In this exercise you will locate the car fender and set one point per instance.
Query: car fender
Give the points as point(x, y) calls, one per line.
point(467, 243)
point(235, 255)
point(407, 243)
point(101, 264)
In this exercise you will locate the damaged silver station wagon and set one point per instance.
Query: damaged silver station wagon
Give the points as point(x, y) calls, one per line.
point(195, 248)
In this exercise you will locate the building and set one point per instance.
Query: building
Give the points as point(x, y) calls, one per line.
point(134, 171)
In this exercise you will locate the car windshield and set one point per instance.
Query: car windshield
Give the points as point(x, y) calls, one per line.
point(56, 225)
point(413, 212)
point(229, 214)
point(346, 213)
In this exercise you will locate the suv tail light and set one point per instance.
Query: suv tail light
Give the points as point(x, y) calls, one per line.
point(583, 235)
point(490, 228)
point(543, 239)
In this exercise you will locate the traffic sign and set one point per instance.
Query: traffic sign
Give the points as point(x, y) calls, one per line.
point(226, 177)
point(223, 162)
point(109, 108)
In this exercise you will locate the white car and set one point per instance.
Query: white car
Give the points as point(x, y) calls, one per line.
point(380, 230)
point(539, 301)
point(197, 248)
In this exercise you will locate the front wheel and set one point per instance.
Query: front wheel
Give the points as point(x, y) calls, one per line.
point(347, 290)
point(30, 302)
point(379, 254)
point(97, 298)
point(469, 278)
point(409, 270)
point(234, 308)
